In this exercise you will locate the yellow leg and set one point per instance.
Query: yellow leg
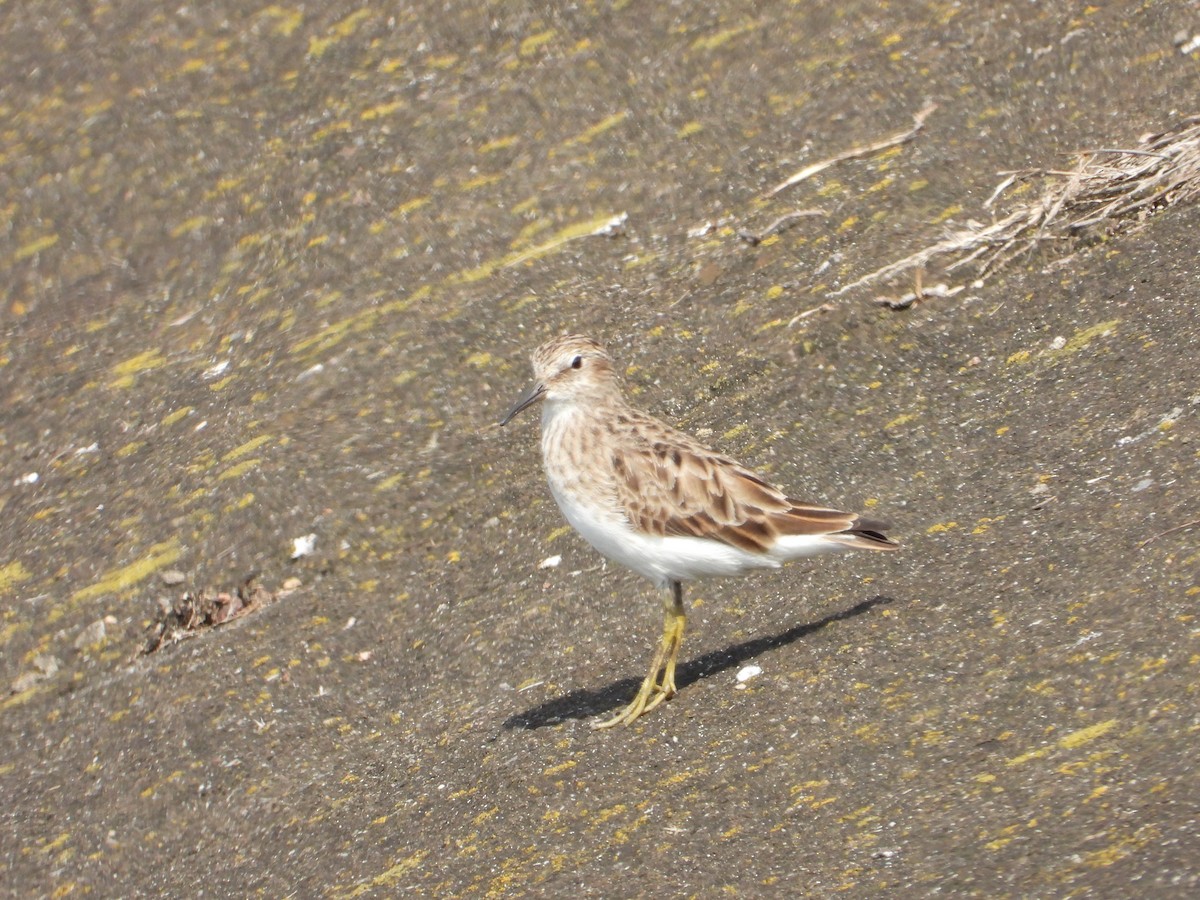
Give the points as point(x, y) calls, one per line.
point(659, 684)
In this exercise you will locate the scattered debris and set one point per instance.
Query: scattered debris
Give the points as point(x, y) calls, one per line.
point(745, 673)
point(919, 294)
point(1107, 191)
point(783, 222)
point(824, 307)
point(92, 634)
point(215, 370)
point(550, 562)
point(613, 227)
point(609, 226)
point(1187, 45)
point(1165, 422)
point(198, 611)
point(902, 137)
point(45, 668)
point(1182, 527)
point(1041, 494)
point(303, 546)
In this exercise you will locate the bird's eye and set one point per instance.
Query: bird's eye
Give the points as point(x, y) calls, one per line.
point(577, 362)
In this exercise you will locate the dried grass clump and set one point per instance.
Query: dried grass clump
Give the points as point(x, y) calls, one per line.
point(197, 611)
point(1107, 192)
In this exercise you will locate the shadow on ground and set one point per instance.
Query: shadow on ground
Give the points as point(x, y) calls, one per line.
point(584, 703)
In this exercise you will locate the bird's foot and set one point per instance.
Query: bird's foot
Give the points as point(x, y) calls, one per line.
point(651, 695)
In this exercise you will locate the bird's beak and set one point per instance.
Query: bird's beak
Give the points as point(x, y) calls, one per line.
point(532, 395)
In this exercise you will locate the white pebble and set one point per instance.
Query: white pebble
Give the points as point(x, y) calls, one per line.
point(748, 672)
point(303, 546)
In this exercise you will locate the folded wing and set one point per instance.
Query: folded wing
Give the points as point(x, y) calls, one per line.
point(676, 486)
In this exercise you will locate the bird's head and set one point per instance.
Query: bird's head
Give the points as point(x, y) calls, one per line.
point(568, 368)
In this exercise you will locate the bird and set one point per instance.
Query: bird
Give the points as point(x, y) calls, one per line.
point(660, 502)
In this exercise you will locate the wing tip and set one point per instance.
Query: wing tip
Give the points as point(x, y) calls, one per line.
point(868, 534)
point(867, 539)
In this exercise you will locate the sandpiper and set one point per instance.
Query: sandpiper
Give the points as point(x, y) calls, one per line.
point(661, 503)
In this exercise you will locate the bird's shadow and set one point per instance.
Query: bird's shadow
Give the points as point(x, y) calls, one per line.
point(584, 703)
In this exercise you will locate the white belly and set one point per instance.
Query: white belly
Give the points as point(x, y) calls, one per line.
point(662, 559)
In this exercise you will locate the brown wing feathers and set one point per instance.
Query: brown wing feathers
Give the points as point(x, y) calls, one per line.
point(698, 497)
point(687, 490)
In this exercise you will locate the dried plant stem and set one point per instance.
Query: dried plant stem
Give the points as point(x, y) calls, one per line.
point(1109, 189)
point(855, 152)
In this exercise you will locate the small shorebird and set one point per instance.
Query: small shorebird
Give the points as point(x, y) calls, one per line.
point(660, 502)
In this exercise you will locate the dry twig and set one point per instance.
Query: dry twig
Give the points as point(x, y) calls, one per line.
point(919, 294)
point(900, 138)
point(784, 221)
point(1182, 527)
point(824, 307)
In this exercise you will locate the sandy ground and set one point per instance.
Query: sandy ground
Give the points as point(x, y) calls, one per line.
point(274, 271)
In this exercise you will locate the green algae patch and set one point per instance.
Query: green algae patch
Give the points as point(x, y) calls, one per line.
point(157, 557)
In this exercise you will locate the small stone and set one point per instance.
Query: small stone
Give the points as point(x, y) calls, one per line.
point(22, 683)
point(172, 577)
point(45, 668)
point(748, 672)
point(92, 634)
point(303, 546)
